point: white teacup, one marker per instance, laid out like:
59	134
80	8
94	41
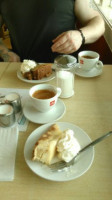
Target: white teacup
89	60
44	96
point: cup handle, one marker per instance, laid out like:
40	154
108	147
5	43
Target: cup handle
58	91
99	65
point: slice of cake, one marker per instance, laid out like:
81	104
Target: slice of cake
45	148
26	67
41	71
32	71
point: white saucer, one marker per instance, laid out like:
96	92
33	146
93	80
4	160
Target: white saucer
42	118
87	74
46	79
80	167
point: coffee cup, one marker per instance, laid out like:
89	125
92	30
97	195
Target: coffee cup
44	96
89	60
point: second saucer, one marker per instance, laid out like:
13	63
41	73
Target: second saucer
87	74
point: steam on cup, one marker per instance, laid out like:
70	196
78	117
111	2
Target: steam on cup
89	60
44	97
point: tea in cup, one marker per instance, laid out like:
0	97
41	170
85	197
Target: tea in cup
44	96
89	60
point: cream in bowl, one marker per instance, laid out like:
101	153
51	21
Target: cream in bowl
44	96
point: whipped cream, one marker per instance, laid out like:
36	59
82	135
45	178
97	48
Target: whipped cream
67	146
27	65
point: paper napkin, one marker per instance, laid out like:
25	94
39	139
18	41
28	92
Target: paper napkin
8	146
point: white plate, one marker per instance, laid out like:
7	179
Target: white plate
79	168
42	118
46	79
87	74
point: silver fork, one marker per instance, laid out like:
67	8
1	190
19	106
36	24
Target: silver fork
62	164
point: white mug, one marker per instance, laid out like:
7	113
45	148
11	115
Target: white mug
89	60
44	96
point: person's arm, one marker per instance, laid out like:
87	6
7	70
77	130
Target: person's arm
92	26
5	54
92	23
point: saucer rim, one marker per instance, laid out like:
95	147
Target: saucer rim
43	80
45	122
44	171
82	73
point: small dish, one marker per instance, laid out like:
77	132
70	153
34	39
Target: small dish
87	74
42	118
78	169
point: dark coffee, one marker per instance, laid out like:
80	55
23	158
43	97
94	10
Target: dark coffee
88	57
43	94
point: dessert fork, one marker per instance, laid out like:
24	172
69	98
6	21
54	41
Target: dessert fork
62	164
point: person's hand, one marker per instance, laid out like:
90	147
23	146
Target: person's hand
67	42
10	56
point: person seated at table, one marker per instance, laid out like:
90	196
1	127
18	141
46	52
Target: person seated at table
41	30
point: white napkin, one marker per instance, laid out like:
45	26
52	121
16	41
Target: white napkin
8	145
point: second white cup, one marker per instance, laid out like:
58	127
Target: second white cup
89	60
44	96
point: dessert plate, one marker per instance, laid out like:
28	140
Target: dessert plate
87	74
46	79
78	169
42	118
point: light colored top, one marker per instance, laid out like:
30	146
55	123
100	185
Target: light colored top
90	109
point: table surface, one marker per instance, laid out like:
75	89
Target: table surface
90	109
